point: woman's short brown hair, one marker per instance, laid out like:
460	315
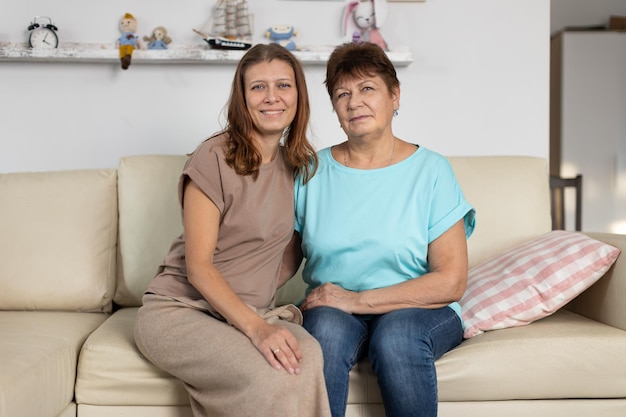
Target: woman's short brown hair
354	60
242	153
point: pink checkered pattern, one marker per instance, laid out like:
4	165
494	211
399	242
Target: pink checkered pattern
532	280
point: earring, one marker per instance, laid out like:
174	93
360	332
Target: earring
395	113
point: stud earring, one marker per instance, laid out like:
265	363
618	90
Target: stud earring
395	113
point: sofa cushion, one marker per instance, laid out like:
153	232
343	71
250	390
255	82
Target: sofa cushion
542	361
149	220
58	235
532	280
112	371
38	356
564	355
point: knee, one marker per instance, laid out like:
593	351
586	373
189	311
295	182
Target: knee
400	341
339	334
326	324
310	348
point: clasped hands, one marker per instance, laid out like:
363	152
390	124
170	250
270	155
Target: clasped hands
330	295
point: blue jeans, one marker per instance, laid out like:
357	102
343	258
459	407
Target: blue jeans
402	347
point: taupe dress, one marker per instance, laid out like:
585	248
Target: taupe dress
177	330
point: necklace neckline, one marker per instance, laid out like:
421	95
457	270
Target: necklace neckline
345	154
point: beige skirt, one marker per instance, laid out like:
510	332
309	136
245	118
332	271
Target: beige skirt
224	374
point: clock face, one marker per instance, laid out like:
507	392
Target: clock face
43	37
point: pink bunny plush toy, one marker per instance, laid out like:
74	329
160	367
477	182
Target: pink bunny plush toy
366	17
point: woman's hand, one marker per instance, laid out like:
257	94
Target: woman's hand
330	295
279	347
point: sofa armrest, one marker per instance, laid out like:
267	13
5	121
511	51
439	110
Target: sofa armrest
604	301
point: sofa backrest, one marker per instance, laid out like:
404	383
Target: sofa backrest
510	194
149	220
58	234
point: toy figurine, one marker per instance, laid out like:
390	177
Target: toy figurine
128	41
158	39
366	17
282	34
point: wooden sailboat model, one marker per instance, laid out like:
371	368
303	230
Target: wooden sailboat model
231	26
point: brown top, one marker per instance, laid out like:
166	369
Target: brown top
256	223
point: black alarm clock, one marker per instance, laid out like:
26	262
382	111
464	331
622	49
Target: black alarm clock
42	33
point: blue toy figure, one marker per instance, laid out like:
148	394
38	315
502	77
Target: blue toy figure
158	39
128	42
282	34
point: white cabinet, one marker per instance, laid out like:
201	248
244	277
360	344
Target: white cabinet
588	124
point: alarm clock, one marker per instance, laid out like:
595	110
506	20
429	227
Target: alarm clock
42	33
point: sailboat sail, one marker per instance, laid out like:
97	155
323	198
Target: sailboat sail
219	20
242	22
231	11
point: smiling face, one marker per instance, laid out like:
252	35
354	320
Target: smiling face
365	106
128	24
271	97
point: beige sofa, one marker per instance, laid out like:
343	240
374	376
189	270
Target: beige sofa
78	248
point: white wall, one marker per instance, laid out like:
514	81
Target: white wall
478	85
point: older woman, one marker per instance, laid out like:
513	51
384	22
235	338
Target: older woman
383	225
208	317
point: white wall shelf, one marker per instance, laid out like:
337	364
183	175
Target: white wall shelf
196	54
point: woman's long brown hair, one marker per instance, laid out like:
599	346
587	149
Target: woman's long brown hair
242	154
